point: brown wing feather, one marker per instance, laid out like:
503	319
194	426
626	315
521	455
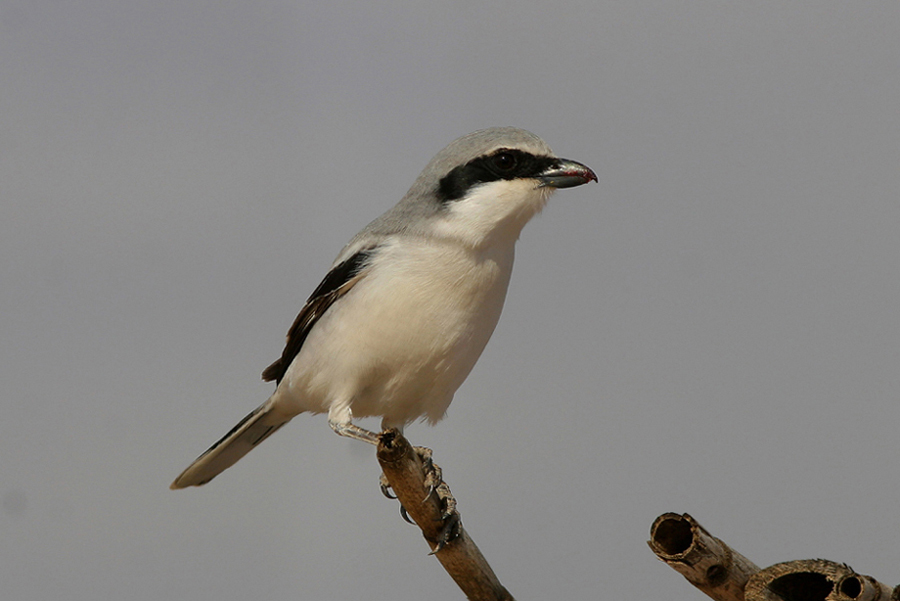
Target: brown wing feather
336	284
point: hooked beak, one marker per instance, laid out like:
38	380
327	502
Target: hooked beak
566	174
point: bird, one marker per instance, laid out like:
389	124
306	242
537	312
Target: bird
410	302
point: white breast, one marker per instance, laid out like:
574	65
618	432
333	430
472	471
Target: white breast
400	343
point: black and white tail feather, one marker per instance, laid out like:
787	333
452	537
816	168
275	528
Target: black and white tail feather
264	420
261	423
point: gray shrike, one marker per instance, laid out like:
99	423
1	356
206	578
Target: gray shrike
409	304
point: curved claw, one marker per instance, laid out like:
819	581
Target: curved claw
431	491
386	491
405	515
448	533
385	487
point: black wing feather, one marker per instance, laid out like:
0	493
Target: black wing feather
338	281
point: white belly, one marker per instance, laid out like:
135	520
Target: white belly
401	342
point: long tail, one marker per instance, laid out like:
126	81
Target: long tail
248	433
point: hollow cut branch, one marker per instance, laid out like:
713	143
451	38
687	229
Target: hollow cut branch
814	580
706	562
726	575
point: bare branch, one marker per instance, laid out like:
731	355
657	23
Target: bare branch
726	575
706	562
815	580
460	557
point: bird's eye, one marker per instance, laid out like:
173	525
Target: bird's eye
504	161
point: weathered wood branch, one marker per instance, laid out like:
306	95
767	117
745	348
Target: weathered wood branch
726	575
814	579
706	562
460	557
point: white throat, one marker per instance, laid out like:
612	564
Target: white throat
493	212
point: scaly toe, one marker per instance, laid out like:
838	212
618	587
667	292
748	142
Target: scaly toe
448	533
385	487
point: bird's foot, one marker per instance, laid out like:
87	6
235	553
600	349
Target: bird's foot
351	430
386	487
435	484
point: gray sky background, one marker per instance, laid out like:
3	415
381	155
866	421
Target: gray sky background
714	328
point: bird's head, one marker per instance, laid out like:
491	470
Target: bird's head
491	182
